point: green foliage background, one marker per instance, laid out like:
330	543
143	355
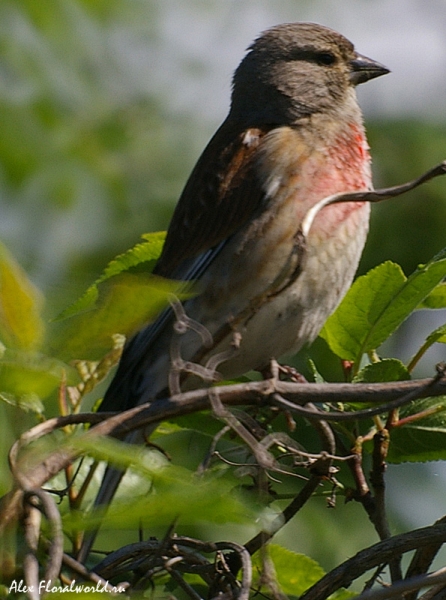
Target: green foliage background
89	161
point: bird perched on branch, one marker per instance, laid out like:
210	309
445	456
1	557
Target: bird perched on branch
293	136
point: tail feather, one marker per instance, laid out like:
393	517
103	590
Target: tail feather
110	483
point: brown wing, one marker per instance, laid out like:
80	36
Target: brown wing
220	196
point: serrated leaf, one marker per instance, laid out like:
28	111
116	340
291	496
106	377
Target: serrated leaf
295	573
21	325
421	440
347	328
377	304
143	254
436	299
387	369
125	303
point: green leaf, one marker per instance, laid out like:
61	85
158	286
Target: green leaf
125	303
349	327
387	369
436	299
437	336
317	377
26	376
21	325
153	488
140	459
295	573
377	304
143	254
423	439
28	403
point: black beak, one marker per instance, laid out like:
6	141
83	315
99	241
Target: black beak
363	69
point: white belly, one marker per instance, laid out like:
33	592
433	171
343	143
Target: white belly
294	318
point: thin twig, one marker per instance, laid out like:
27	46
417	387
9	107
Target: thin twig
246	567
380	449
379	454
176	576
204	465
78	568
373	196
408	585
264	458
286	515
32	534
30	561
55	550
170	552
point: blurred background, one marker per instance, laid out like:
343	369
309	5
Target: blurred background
105	105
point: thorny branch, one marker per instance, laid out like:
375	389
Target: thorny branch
254	394
172	555
244	394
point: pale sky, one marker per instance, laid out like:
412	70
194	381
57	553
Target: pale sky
199	44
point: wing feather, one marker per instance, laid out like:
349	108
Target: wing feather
220	196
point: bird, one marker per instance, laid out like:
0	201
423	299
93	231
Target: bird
294	135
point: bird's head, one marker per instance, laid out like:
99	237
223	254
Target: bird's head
295	70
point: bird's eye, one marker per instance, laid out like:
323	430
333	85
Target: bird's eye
325	58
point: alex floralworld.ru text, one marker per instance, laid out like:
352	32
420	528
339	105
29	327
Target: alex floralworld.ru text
47	587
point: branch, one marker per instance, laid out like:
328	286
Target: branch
153	556
373	196
285	516
422	560
257	393
410	585
414	394
380	553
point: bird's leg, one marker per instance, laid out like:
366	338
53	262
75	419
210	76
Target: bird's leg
274	370
292	374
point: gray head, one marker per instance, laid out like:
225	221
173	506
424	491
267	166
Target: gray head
297	69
